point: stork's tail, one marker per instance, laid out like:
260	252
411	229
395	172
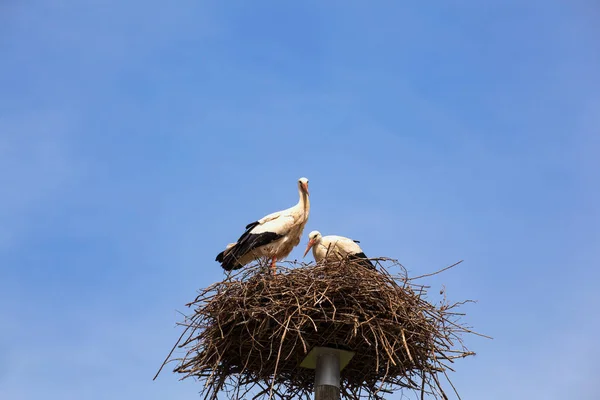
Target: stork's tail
362	260
227	258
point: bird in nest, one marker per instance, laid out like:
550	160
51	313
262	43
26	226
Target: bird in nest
333	247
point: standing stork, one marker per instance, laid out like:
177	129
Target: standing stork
273	236
334	247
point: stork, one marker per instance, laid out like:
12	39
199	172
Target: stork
334	247
273	236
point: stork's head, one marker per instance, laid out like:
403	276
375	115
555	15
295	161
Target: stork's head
313	238
303	185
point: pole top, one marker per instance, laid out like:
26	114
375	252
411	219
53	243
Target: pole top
310	361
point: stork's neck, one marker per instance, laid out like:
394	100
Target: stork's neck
304	202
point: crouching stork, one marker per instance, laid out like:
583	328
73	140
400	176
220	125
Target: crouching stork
334	247
273	236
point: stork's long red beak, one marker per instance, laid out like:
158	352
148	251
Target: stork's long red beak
305	187
310	244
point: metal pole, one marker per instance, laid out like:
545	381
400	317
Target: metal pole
327	376
327	363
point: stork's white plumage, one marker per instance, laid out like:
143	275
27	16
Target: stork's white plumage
333	247
273	236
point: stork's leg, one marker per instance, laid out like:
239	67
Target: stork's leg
273	267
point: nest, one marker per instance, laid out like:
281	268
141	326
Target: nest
249	333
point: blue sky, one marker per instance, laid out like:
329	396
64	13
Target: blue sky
138	138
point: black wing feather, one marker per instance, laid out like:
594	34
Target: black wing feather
252	225
362	260
246	243
249	227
